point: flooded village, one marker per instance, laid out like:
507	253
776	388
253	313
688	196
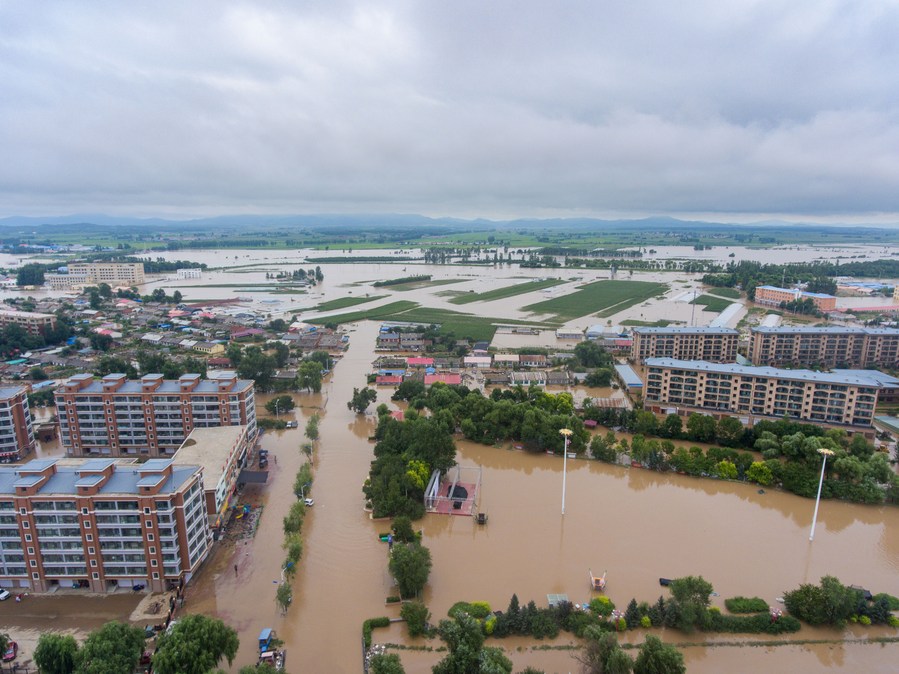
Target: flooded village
633	524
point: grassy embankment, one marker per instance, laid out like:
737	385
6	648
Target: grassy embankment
510	291
604	298
730	293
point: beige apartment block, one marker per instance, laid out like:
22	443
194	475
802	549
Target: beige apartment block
101	525
32	322
825	347
846	399
150	416
717	345
93	273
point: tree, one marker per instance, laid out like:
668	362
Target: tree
701	427
101	342
599	378
104	291
177	297
362	399
56	653
256	365
410	564
464	639
672	426
402	530
261	668
692	596
114	364
282	353
602	654
657	657
591	354
730	432
416	615
309	376
386	663
38	374
195	644
112	649
4	641
30	275
280	404
283	596
311	431
278	325
323	358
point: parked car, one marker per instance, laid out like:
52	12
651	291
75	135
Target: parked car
11	651
4	594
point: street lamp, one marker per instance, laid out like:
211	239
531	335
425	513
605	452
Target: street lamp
824	454
566	433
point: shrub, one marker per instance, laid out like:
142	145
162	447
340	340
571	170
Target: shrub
864	620
892	601
746	605
893	621
645	621
393	599
602	606
416	615
757	623
369	625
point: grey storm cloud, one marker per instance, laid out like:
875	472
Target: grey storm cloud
450	108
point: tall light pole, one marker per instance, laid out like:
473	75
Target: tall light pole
824	454
566	433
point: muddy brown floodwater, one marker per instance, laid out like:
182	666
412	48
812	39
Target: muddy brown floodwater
636	524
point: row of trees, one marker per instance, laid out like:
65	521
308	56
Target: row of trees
195	644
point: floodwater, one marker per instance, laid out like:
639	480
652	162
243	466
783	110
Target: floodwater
636	524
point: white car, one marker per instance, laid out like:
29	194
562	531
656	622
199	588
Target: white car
4	594
309	502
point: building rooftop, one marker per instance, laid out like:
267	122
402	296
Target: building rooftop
698	330
8	392
825	330
127	478
209	448
134	386
628	376
871	378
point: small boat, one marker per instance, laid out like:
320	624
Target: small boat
664	582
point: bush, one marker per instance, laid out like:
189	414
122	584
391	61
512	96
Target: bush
271	424
892	602
864	620
602	606
645	621
416	615
746	605
753	624
476	609
369	625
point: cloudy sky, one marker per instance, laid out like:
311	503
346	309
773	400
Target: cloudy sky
744	109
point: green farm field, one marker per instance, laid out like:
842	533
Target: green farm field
511	291
599	297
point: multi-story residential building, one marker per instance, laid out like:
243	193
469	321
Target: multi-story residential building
93	273
101	525
16	427
774	296
716	388
716	345
827	347
32	322
222	453
115	416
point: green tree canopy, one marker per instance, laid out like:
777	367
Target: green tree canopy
112	649
410	564
56	653
361	399
194	645
657	657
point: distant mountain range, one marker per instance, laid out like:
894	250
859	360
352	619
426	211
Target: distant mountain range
400	220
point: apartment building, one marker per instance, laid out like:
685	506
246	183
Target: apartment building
774	296
16	426
32	322
847	399
101	525
93	273
222	453
150	416
716	345
828	347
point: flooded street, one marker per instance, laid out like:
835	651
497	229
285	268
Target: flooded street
638	525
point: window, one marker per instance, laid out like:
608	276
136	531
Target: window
152	550
95	575
26	525
22	511
35	575
151	537
33	563
30	551
87	524
146	511
94	563
89	537
153	562
148	524
28	538
156	575
84	511
91	551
